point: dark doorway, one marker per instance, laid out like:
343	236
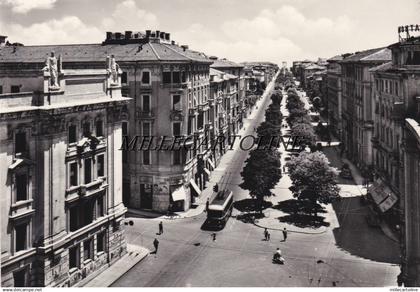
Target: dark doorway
146	193
126	193
20	278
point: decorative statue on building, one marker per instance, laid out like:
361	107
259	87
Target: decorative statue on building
112	69
53	66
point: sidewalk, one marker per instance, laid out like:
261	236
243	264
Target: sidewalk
134	255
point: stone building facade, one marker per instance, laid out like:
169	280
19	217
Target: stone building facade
397	146
357	102
61	178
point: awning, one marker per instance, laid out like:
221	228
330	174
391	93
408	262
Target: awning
195	187
210	161
179	194
382	195
20	162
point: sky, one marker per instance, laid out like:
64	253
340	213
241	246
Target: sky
240	30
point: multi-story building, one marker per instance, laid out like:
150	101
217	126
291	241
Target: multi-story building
61	177
357	103
397	140
235	91
333	95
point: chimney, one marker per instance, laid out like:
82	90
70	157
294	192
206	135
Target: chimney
2	40
167	36
108	35
148	33
128	34
162	35
213	58
184	47
173	43
157	33
117	35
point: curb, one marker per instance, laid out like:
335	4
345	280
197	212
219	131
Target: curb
291	231
145	256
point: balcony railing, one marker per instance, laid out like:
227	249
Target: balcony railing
140	114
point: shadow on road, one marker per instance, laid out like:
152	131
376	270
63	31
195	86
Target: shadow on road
250	205
208	226
249	217
304	221
356	237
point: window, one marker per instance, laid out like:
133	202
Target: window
101	165
72	134
100	242
21	187
166	78
100	208
146	157
21	237
20	142
15	89
99	128
86	129
146	129
124	78
176	102
74	181
1	89
176	157
145	77
176	77
87	249
88	170
74	218
146	103
74	257
125	133
183	77
176	129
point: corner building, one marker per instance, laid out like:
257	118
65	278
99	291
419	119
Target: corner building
60	178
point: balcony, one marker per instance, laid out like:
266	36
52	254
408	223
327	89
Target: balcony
176	115
144	115
192	111
203	107
176	86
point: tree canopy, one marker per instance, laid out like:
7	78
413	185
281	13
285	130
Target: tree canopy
313	178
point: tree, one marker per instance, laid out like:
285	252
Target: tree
304	133
266	131
313	178
261	173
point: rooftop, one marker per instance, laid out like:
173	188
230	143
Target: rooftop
143	51
372	55
224	63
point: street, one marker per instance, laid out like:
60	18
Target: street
344	251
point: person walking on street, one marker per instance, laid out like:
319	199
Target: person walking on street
266	234
284	234
160	227
156	245
207	204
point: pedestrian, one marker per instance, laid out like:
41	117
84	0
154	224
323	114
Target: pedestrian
284	169
156	245
160	227
266	234
214	236
207	204
284	234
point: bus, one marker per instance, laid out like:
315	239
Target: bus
220	208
